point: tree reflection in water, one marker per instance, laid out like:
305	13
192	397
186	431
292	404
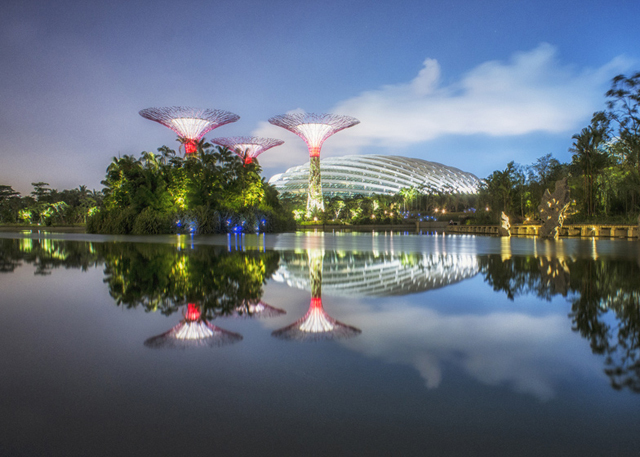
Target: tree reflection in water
316	323
158	277
604	296
209	281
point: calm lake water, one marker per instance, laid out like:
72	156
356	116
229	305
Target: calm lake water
319	344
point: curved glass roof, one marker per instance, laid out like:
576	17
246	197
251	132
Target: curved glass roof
377	174
369	274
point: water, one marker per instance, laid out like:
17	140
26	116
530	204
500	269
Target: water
318	344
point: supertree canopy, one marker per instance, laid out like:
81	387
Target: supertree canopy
191	124
314	129
247	147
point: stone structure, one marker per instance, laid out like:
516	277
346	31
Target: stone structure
552	209
504	225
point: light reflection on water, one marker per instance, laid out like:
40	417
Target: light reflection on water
534	329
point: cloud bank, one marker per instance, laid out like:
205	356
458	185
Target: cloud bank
531	92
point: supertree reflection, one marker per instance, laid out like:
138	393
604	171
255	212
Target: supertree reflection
257	309
193	331
316	323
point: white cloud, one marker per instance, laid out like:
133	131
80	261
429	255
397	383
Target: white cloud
531	92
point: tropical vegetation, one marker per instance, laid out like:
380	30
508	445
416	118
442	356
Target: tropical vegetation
46	206
212	191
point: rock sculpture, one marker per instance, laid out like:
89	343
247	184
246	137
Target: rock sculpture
552	209
504	225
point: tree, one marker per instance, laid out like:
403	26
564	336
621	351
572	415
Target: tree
9	204
623	113
500	186
41	192
590	157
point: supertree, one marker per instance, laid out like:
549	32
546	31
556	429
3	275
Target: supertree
247	147
191	124
256	308
193	331
314	129
316	323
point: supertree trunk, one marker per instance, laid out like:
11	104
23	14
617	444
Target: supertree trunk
314	200
316	259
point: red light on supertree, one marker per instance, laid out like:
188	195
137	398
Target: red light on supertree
314	129
190	147
247	147
191	124
193	312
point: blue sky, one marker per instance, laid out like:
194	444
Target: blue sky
464	83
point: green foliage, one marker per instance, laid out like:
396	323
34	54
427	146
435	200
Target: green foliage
150	222
211	192
47	206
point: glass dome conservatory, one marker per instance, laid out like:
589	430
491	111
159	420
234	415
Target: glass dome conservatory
377	174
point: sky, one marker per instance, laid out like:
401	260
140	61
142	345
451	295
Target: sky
469	84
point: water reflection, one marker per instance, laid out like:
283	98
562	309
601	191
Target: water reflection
161	278
497	347
316	323
256	309
377	274
604	296
46	255
193	331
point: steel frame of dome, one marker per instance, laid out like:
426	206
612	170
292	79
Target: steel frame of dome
378	174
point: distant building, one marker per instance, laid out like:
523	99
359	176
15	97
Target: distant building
377	174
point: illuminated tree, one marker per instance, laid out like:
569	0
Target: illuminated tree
314	129
316	324
247	147
191	124
193	331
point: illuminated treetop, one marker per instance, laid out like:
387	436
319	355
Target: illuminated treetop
314	129
247	147
189	123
